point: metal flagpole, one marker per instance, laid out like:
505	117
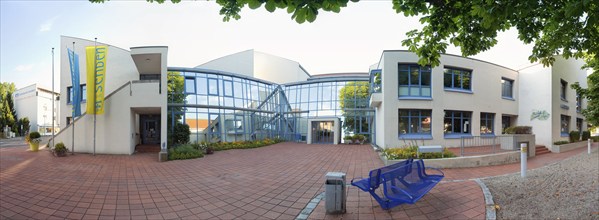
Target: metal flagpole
73	112
94	86
53	100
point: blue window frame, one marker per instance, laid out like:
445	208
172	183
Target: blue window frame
457	123
190	85
459	79
414	80
414	122
487	123
563	89
82	88
578	103
212	86
565	125
507	88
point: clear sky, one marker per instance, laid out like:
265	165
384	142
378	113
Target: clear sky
194	32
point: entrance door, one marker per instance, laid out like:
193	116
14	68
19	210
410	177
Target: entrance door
150	129
322	132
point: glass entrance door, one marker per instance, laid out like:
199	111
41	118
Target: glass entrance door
150	129
322	132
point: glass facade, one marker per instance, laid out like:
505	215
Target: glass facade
229	107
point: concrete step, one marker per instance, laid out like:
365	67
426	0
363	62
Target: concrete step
539	150
147	148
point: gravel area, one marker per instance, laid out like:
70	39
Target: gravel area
566	190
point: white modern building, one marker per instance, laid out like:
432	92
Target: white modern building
252	95
464	97
35	103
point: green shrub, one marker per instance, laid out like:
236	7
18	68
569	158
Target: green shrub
33	137
182	152
412	151
574	136
180	135
595	138
518	130
60	149
560	142
586	135
243	144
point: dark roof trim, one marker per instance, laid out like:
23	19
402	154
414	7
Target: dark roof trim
446	54
329	79
210	71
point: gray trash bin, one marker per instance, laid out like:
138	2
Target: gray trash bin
335	193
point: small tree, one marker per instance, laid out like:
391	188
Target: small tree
180	134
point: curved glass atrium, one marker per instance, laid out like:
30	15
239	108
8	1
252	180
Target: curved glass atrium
227	107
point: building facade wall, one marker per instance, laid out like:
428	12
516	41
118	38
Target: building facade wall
485	96
570	72
36	104
536	96
124	99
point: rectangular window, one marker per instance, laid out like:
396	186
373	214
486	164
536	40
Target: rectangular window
190	85
212	86
414	121
506	122
414	80
457	122
486	123
201	85
578	103
563	89
228	88
82	89
565	125
507	87
579	125
457	79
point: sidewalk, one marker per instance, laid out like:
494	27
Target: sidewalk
458	196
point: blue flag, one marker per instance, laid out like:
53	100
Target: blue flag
76	101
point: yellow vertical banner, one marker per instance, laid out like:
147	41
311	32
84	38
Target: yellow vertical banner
96	76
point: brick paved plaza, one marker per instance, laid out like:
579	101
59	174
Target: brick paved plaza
273	182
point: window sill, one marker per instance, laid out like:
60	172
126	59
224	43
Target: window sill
508	98
563	99
458	90
487	135
415	98
457	136
415	137
564	135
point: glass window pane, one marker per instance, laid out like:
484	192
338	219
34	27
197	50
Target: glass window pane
190	85
426	78
228	88
238	90
403	78
414	75
213	86
201	86
447	79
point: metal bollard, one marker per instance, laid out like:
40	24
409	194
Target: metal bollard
589	146
523	155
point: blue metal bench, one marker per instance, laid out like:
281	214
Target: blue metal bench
403	182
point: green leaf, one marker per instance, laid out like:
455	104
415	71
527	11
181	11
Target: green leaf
254	4
270	6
